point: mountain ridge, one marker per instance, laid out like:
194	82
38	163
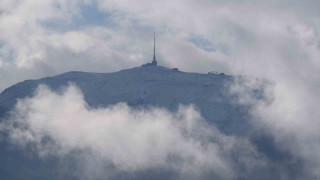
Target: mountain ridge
139	86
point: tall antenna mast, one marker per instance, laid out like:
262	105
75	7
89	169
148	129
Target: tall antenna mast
154	61
154	46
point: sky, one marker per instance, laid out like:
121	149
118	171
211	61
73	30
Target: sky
45	38
276	40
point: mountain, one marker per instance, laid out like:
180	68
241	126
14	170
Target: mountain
140	87
147	86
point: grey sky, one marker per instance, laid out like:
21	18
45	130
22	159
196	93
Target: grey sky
42	38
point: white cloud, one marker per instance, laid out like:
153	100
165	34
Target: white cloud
58	124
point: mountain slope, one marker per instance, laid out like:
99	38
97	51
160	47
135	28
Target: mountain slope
147	86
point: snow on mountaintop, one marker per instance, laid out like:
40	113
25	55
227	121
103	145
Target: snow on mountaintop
147	86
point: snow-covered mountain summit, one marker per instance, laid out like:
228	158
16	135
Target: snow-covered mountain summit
146	86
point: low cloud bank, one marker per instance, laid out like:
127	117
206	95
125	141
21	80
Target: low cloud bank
288	113
129	140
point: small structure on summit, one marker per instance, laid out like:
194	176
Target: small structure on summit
154	61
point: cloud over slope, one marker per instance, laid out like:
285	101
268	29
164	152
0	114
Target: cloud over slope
58	124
